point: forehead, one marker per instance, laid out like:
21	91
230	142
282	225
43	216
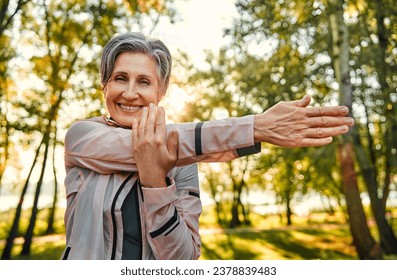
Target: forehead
134	63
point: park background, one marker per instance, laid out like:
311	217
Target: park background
231	58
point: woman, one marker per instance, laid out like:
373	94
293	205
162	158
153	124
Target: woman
110	213
114	212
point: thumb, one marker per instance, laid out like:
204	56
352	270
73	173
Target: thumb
302	102
173	144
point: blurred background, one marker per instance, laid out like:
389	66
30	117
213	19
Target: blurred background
231	58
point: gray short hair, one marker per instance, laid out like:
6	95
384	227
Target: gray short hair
137	43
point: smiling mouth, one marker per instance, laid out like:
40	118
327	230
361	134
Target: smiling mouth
129	108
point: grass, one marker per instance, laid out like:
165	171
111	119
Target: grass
323	237
48	247
314	242
298	243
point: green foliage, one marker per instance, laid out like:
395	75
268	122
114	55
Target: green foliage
243	79
280	51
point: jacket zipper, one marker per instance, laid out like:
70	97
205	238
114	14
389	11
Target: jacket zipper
114	243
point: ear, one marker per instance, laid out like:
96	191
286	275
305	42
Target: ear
104	91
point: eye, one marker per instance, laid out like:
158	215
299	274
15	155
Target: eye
120	78
145	82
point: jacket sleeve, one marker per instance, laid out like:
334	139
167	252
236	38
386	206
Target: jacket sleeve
108	149
172	216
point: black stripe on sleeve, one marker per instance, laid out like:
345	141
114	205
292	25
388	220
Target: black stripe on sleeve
254	149
194	194
197	139
166	226
177	224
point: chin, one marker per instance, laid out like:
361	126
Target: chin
125	119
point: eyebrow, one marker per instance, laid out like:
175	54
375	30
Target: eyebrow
126	73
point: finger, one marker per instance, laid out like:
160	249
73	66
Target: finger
327	121
160	123
142	122
325	132
173	145
304	102
151	120
134	133
312	142
327	111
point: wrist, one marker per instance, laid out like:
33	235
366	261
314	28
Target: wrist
156	183
258	137
262	129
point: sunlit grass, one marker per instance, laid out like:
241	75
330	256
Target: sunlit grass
7	218
322	237
298	243
45	248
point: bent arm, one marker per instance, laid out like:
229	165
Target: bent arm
106	149
172	216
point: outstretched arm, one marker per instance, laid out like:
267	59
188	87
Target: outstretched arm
294	124
95	145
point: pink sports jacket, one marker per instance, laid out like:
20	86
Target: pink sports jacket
100	172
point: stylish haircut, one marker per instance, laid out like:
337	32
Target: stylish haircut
137	43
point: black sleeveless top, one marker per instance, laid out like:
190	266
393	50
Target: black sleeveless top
132	238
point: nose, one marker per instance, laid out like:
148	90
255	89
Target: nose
130	92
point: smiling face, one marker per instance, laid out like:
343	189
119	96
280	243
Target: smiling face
133	85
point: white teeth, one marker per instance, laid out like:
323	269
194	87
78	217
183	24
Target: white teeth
130	108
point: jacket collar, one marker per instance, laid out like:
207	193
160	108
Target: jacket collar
110	121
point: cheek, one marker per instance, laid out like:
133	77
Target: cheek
109	93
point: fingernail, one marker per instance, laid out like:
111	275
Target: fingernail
349	121
344	110
151	105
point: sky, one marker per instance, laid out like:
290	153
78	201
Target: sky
200	28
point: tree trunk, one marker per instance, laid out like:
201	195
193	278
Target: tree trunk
245	211
362	238
235	220
237	189
6	255
51	214
29	233
218	209
4	145
388	239
369	171
288	209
